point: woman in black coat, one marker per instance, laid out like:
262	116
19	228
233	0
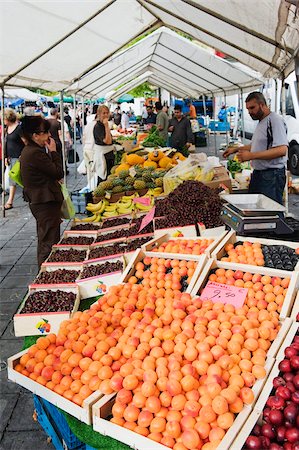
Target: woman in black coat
41	170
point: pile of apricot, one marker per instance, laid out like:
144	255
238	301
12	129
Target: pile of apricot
182	368
184	246
264	291
244	253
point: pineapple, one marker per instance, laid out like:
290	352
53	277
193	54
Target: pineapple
106	185
123	174
117	182
117	189
159	182
99	191
139	184
129	181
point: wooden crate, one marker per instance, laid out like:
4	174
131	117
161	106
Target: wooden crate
283	331
157	241
291	291
254	417
83	413
102	410
97	285
295	310
43	323
186	231
287	340
139	254
232	238
51	267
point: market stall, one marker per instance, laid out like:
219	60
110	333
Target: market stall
155	360
172	333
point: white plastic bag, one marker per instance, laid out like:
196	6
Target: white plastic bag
6	178
195	167
82	168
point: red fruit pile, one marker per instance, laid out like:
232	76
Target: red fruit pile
280	426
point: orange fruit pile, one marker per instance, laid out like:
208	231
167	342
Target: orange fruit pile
182	368
184	246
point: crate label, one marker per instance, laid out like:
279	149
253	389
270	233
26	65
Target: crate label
147	219
223	293
43	326
142	200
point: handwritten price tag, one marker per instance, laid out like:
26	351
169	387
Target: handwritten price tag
142	200
223	293
147	218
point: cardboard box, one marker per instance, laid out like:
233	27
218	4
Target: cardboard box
43	323
95	226
102	410
82	413
99	284
291	291
232	238
52	267
140	254
221	177
57	247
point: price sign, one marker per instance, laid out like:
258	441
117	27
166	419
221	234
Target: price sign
142	200
223	293
132	172
147	218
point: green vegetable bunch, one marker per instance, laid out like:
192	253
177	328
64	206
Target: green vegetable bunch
153	139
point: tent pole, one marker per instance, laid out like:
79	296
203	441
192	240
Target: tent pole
227	140
206	121
214	113
62	133
2	145
242	117
75	128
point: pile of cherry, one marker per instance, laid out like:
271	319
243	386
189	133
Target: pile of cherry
280	424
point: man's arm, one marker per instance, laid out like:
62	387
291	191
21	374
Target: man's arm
275	152
108	138
232	150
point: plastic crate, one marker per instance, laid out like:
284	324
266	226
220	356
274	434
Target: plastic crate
219	126
56	426
80	201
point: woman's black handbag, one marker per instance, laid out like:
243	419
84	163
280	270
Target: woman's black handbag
71	156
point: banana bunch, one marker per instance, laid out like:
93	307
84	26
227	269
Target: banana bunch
155	192
204	177
97	208
111	210
145	208
125	205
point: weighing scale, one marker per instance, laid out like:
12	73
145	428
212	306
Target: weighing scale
254	213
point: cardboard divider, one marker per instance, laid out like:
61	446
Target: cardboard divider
83	413
232	238
139	255
43	323
157	241
291	290
102	411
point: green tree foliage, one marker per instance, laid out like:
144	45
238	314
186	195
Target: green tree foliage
143	90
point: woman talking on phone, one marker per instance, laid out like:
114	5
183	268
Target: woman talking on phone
41	170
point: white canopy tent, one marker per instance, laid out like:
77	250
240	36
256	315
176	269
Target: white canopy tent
176	57
64	37
65	42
